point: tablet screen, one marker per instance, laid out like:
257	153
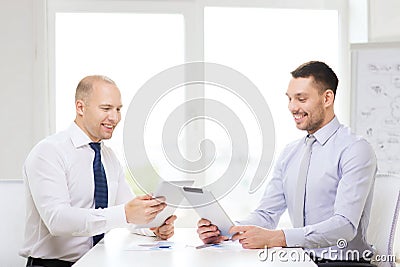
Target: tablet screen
205	204
173	197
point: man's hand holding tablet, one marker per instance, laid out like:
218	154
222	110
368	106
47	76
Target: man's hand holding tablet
249	236
169	195
215	223
252	237
166	230
209	233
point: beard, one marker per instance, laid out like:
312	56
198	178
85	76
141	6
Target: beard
315	120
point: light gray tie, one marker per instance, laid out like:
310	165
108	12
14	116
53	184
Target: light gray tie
298	218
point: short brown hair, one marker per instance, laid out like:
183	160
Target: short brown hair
323	75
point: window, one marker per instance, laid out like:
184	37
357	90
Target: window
129	48
266	44
131	41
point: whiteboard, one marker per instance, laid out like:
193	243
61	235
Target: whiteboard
376	100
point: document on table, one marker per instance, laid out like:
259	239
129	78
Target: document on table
156	245
226	245
168	245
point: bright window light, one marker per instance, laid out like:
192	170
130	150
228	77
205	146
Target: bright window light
127	47
266	45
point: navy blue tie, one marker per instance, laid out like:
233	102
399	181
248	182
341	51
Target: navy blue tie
100	184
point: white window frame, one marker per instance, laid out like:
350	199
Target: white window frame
193	12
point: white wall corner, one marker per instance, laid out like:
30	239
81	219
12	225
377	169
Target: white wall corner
384	21
358	21
41	97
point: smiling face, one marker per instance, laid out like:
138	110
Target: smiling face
311	108
99	112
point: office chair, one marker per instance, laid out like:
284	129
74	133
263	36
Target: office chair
384	216
383	221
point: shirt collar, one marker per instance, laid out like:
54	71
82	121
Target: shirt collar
323	134
78	137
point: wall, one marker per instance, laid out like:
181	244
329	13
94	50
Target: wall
384	20
16	53
20	118
12	227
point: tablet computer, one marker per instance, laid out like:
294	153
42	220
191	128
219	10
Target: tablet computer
172	192
205	204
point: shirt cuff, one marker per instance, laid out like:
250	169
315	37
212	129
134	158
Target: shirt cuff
116	217
294	237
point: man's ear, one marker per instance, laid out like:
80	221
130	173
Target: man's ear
80	107
329	97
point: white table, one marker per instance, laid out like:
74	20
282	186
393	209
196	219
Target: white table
120	248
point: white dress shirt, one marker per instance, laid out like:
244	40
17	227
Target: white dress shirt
61	218
338	191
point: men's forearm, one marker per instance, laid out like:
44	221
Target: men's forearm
84	222
323	234
255	218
